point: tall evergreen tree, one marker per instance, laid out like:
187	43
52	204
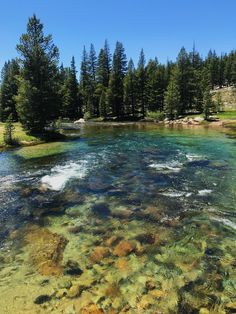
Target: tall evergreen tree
172	96
103	106
70	106
207	103
212	62
85	83
130	90
9	90
93	99
155	86
116	87
37	99
194	84
104	66
102	79
183	78
141	83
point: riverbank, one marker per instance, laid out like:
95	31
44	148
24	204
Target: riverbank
225	121
21	137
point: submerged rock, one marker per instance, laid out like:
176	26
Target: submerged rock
46	250
124	248
113	240
101	209
97	184
75	291
92	309
27	192
99	253
146	238
42	299
72	268
122	214
75	229
122	265
64	284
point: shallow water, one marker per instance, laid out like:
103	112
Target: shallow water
121	220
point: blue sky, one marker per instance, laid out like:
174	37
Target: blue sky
160	27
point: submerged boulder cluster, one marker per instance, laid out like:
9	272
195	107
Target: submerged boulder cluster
98	259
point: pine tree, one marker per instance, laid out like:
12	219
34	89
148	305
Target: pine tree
218	102
130	90
116	87
37	99
93	99
207	103
102	79
141	84
183	80
172	97
85	83
221	71
212	63
9	90
8	131
195	72
70	106
103	110
104	66
153	86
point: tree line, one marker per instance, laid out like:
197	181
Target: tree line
35	90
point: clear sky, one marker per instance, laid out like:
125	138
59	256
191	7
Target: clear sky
160	27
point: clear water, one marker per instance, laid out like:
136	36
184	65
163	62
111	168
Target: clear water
147	214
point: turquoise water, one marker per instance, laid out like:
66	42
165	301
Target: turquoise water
146	217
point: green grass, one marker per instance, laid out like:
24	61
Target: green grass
224	115
19	135
42	150
227	115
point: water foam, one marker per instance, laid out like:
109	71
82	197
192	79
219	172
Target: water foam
60	175
173	166
193	157
204	192
176	194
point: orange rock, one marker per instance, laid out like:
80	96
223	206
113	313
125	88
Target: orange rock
113	291
122	264
92	309
124	248
146	301
46	250
153	212
157	293
99	253
111	241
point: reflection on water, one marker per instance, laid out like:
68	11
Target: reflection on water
124	220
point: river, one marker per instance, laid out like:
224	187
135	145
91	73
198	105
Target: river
126	219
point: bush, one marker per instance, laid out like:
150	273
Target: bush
156	115
8	132
87	115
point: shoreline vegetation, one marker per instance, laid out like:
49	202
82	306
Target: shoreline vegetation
225	120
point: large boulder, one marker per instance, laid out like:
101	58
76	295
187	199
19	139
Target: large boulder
46	250
81	120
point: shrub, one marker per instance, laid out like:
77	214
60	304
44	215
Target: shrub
157	115
8	132
87	115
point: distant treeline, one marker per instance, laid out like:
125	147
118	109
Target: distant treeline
36	90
